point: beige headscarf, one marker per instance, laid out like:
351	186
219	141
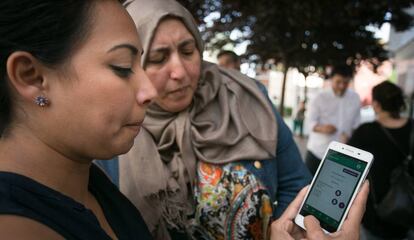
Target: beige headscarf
229	120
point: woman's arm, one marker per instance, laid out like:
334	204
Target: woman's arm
293	174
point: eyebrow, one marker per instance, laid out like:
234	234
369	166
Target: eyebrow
186	42
132	48
180	45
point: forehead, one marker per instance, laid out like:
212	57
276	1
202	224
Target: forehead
224	59
224	56
171	28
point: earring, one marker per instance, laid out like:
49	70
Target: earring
42	101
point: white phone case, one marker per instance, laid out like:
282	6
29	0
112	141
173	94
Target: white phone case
349	151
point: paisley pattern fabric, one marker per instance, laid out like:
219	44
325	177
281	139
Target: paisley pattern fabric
231	204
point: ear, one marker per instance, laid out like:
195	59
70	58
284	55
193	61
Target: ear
376	106
25	74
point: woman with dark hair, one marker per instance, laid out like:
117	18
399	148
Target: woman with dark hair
71	90
388	103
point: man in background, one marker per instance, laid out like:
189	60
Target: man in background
228	59
332	116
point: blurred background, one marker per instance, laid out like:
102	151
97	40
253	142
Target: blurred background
290	46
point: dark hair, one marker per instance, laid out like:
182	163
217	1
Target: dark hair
343	70
47	29
233	56
390	97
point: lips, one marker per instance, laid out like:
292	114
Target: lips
181	89
178	93
135	126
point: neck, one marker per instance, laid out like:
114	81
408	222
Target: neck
385	119
339	93
24	154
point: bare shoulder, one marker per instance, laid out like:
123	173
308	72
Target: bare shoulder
17	227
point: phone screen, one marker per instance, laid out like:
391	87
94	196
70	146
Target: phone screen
333	189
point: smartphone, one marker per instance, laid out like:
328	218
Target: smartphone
336	183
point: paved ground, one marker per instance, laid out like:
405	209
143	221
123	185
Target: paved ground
300	141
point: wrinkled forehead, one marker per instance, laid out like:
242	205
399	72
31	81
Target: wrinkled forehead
170	25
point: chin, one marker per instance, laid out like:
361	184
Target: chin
121	148
178	106
125	148
176	109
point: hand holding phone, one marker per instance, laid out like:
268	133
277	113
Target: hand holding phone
334	186
284	227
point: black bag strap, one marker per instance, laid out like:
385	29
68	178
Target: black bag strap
409	155
411	146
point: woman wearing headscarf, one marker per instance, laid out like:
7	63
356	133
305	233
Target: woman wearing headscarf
214	159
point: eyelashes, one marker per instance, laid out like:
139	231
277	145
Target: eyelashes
188	51
123	72
161	56
156	60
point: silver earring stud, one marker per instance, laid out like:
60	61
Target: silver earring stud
42	101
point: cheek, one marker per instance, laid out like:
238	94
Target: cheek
101	109
105	99
158	79
194	72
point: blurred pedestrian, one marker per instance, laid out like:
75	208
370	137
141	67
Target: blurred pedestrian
299	118
388	102
228	59
71	90
214	160
333	114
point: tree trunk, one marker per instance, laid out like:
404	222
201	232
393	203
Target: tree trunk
411	106
305	89
282	95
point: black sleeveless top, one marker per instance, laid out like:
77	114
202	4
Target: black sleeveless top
25	197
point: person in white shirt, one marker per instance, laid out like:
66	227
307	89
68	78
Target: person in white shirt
332	116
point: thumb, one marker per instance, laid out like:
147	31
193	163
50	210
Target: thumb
313	228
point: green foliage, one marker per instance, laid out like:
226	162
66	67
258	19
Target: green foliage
302	33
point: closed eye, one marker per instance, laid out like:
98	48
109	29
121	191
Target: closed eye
156	60
188	51
187	47
158	56
122	72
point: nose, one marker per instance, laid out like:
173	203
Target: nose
177	71
146	92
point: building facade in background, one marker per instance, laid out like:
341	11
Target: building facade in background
401	47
